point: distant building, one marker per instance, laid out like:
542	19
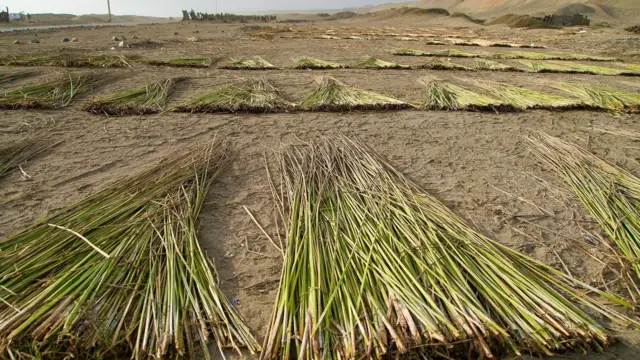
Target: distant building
4	15
17	16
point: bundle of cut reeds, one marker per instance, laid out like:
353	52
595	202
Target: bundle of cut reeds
311	63
42	60
439	64
13	76
255	96
634	69
101	61
610	194
51	95
442	95
489	65
326	37
411	52
15	154
121	274
150	99
454	53
255	63
581	57
183	62
541	56
375	267
405	38
333	95
569	67
525	55
602	98
523	98
371	62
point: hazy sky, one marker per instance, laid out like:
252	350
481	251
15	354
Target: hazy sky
172	7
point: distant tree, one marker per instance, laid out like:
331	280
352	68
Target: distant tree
225	18
29	17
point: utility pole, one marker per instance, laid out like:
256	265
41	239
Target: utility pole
109	5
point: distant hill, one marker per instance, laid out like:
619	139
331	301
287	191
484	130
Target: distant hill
598	10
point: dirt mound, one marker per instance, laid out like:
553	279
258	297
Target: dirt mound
468	17
406	11
342	15
420	11
520	21
634	29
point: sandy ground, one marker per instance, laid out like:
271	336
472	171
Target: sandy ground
474	162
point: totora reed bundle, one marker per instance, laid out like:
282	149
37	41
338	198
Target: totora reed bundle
442	95
254	96
569	67
439	64
454	53
610	194
602	98
522	98
121	274
150	99
442	53
411	52
525	55
371	62
633	69
255	63
376	267
333	95
51	95
541	56
70	60
6	78
489	65
15	154
311	63
183	62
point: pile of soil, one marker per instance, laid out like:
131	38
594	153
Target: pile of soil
420	11
342	15
468	17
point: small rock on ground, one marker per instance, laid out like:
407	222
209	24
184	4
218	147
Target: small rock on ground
74	39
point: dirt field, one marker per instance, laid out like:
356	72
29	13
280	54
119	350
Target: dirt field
474	162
